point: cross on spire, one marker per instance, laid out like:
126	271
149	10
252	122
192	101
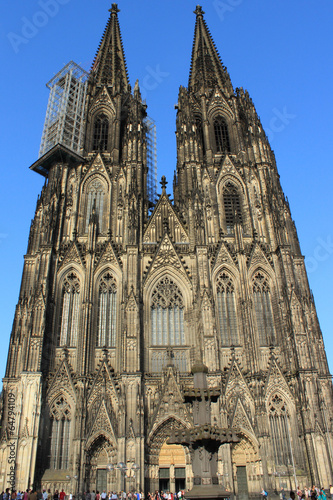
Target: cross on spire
114	9
198	10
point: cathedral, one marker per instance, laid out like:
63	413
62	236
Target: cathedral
123	297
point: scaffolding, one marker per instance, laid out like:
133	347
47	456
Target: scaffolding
65	115
151	160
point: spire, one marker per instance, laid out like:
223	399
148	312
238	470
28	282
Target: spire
207	70
109	66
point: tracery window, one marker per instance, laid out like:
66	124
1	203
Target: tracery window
263	310
232	206
279	425
60	434
167	314
101	131
222	141
160	359
95	198
226	307
107	311
70	308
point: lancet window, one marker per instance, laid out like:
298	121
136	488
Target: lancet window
222	141
279	426
101	132
263	310
232	206
167	314
198	124
95	199
70	308
60	434
226	307
107	311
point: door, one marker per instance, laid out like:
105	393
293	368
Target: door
179	478
243	490
101	480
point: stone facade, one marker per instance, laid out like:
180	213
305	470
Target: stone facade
118	303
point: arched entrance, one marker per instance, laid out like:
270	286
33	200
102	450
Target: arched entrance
172	468
100	454
246	468
168	466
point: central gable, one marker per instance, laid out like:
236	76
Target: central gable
164	216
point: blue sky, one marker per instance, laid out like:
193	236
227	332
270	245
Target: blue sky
281	53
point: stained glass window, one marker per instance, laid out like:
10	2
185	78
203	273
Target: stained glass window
226	306
70	309
167	314
107	311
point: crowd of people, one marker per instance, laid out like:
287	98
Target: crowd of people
93	495
313	493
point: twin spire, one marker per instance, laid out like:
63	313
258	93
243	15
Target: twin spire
206	72
109	66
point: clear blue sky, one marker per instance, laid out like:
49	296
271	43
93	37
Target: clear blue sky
280	51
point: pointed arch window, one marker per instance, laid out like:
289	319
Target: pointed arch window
107	311
280	430
60	434
232	206
95	198
167	314
101	132
221	133
226	307
263	310
200	133
70	308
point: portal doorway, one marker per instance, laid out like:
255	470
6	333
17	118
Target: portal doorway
172	468
101	480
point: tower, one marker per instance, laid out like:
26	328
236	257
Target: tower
118	305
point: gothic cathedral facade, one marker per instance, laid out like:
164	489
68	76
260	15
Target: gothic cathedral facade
120	299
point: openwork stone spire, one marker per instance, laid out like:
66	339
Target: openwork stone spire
109	66
207	70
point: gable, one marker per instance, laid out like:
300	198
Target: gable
165	256
257	258
96	166
72	255
171	404
107	256
165	215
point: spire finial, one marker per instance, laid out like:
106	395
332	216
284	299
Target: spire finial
114	9
198	11
163	182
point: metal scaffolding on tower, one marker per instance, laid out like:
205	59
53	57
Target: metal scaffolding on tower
151	160
65	114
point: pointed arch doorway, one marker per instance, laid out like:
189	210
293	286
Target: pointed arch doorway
172	468
101	453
